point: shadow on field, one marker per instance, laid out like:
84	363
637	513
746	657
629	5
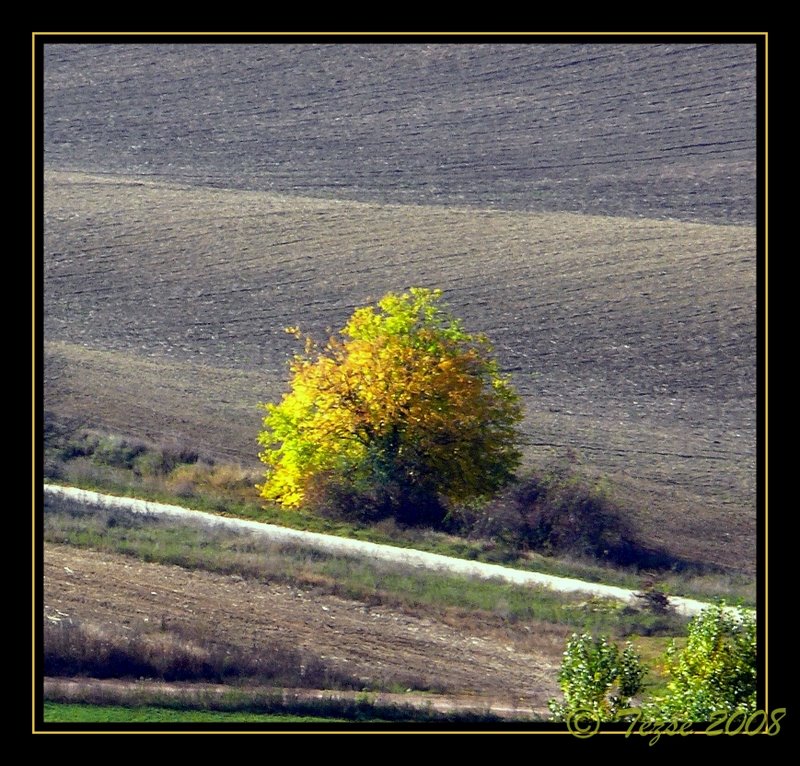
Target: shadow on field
560	513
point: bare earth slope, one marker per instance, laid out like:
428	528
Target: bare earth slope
590	207
651	130
632	341
376	643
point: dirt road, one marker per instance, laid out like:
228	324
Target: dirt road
370	550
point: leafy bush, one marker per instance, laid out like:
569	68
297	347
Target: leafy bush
715	672
564	513
117	452
598	678
402	411
160	461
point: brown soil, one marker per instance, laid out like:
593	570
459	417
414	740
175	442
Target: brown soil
513	665
635	129
632	343
589	207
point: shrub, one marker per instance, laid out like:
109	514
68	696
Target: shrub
598	678
556	513
654	600
152	463
116	452
185	479
715	672
160	461
227	477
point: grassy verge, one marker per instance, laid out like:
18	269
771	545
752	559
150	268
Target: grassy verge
651	650
62	712
92	702
240	553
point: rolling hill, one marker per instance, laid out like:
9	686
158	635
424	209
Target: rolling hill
653	130
591	208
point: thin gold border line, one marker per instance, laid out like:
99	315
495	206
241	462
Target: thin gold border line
33	378
407	33
766	374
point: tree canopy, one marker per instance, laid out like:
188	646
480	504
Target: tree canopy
402	403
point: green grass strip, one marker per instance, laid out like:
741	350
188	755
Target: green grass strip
61	712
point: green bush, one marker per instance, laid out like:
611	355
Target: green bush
81	444
715	672
116	452
597	678
160	461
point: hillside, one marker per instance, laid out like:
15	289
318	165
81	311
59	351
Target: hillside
376	643
589	207
661	131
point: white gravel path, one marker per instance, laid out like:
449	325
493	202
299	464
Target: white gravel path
331	543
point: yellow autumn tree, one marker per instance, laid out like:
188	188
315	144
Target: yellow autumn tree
403	410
